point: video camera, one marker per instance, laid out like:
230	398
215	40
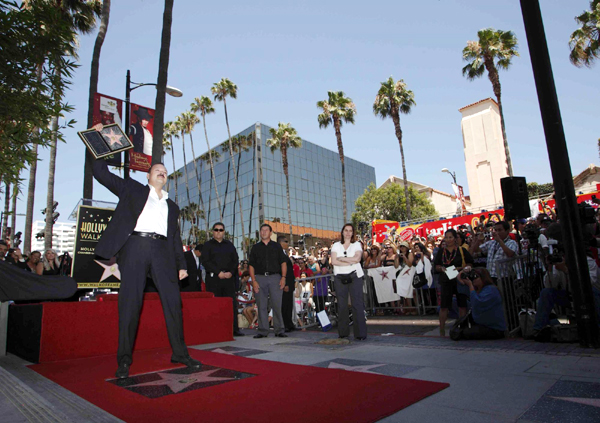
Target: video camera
532	233
587	214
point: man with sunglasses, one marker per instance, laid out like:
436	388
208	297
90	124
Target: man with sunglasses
220	260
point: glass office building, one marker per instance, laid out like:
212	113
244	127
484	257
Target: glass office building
315	188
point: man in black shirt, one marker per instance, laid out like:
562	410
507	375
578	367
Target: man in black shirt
220	260
287	302
268	270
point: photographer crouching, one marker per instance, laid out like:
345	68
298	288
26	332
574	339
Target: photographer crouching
486	320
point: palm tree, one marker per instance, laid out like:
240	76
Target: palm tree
204	105
492	51
189	120
338	109
284	137
88	178
211	156
221	90
181	128
81	16
6	209
169	133
161	83
240	143
392	99
585	41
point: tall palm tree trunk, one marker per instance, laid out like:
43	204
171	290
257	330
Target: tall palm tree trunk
252	195
175	178
187	185
284	160
31	186
13	223
338	135
237	189
6	210
495	80
226	188
50	194
198	178
88	177
30	201
396	119
212	168
161	83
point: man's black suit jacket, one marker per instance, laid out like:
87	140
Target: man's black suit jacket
132	199
290	280
192	282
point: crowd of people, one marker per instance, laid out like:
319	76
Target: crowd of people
49	263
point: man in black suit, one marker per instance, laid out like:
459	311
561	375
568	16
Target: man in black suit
220	259
287	301
144	235
193	261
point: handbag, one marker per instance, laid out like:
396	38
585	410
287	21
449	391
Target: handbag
460	325
419	280
347	277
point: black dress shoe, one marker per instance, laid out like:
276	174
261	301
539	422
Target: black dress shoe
238	333
260	336
343	337
188	361
281	335
122	371
290	329
360	338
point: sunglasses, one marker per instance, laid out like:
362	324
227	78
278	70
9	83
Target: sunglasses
218	230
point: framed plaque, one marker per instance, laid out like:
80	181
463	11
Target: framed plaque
110	140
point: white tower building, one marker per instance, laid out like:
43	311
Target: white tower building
63	237
485	158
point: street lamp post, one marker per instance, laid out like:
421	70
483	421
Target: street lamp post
453	174
172	91
459	208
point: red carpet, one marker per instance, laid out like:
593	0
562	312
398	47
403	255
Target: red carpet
267	391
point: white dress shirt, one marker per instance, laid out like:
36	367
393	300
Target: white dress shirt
147	142
154	216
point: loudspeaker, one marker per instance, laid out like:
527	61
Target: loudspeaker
515	197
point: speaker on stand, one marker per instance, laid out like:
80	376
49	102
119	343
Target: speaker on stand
515	197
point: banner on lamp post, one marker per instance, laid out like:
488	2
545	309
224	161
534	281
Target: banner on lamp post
108	110
140	133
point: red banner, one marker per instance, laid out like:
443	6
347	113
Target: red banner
140	133
384	229
108	110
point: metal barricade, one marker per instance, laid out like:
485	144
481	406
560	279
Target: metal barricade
321	296
520	284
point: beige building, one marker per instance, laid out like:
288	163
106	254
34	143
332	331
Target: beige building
587	180
444	203
485	159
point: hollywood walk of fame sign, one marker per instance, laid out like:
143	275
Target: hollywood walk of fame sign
175	381
108	141
88	270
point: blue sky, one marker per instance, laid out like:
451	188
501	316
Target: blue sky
285	56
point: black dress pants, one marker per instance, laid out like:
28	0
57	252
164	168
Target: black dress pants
224	288
138	257
287	308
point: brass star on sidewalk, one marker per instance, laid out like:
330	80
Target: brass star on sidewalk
178	382
110	269
366	368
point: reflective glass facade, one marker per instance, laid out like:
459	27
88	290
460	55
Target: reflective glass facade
315	186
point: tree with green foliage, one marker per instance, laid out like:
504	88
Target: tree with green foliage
388	203
189	121
392	99
585	41
336	110
181	127
283	138
534	189
493	50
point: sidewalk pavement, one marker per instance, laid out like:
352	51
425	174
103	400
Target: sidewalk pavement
508	380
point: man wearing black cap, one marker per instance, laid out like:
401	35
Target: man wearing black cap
139	134
144	235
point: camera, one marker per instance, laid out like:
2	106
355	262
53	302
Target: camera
532	233
418	256
472	275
